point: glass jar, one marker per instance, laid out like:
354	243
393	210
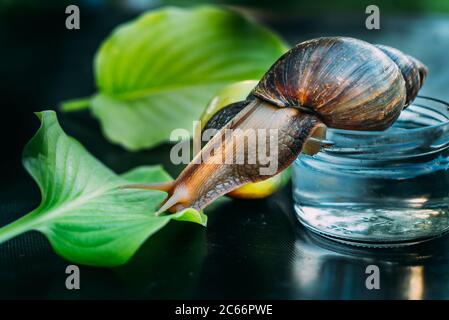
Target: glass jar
379	189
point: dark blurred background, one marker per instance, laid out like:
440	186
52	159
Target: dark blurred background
256	248
42	63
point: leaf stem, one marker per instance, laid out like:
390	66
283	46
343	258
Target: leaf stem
75	104
15	228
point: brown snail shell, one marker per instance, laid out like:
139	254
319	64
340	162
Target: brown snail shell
336	82
413	71
349	83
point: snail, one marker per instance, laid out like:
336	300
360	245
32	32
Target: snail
232	93
335	82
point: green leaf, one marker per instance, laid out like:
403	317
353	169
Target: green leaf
157	73
144	174
86	215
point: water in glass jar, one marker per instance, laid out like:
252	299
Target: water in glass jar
374	201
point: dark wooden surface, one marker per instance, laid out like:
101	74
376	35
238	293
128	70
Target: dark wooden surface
251	249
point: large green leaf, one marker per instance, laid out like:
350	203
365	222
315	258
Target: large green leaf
86	215
158	72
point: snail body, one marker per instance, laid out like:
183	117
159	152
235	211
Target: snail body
333	82
232	95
